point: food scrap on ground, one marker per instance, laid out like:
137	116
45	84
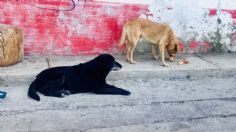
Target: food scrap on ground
184	61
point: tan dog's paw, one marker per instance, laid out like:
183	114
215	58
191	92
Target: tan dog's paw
155	57
171	59
166	65
132	62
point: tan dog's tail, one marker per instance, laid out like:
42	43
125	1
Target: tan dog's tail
123	36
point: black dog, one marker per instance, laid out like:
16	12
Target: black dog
85	77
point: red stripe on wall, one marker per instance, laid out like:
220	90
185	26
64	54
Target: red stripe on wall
213	12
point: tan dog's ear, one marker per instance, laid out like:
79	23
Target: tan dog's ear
177	48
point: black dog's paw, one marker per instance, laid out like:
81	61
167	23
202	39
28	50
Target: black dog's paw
62	95
126	93
66	92
113	90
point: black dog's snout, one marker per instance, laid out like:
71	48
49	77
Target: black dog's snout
117	66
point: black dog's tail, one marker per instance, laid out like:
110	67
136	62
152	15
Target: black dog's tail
32	92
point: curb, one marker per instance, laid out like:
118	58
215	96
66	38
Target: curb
126	75
200	67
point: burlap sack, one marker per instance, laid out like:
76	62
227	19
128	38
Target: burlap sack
11	45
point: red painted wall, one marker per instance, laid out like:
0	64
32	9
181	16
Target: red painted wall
71	27
68	27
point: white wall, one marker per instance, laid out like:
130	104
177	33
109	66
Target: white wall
192	22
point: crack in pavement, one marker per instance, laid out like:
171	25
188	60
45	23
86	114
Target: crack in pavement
211	62
233	99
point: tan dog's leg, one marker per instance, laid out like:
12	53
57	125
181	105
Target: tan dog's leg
132	47
154	54
162	50
133	40
128	52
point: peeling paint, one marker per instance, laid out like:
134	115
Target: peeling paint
193	23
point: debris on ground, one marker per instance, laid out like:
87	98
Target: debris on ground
184	61
2	94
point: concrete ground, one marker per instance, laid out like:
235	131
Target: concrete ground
199	96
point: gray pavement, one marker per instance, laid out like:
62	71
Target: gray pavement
199	96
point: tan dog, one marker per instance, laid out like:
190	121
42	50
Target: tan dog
157	34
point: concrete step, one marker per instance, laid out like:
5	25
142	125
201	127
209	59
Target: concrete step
203	65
